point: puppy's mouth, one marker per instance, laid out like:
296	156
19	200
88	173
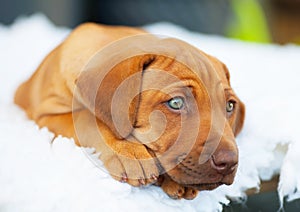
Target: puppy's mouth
204	186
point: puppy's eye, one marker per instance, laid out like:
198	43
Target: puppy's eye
230	106
176	103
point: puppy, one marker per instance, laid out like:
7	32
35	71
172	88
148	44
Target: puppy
159	111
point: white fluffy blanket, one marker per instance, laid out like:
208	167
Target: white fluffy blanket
36	175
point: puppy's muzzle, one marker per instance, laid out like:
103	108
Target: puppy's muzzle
219	168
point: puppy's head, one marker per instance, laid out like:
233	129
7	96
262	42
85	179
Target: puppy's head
180	106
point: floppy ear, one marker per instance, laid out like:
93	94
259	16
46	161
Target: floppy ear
238	122
239	118
112	94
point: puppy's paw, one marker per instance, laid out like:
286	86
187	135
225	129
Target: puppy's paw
131	163
177	191
173	189
190	193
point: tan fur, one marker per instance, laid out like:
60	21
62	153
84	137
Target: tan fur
49	98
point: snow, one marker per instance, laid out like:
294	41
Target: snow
38	174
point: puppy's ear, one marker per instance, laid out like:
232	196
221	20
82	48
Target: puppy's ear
112	94
239	119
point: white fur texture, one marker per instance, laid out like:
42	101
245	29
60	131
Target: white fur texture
36	175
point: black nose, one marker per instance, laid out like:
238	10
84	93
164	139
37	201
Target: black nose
224	161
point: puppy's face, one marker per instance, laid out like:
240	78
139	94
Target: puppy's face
185	113
189	122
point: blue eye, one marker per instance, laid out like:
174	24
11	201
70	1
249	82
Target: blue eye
176	103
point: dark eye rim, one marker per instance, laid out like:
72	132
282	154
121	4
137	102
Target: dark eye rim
234	105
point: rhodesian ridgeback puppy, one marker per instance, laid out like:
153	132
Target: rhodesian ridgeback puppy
158	111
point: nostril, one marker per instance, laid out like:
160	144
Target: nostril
224	162
218	166
222	166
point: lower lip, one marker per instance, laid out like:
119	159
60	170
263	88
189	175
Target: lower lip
207	186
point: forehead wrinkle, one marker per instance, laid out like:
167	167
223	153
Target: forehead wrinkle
201	72
207	75
228	89
177	87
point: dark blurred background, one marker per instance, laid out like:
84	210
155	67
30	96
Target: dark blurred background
255	20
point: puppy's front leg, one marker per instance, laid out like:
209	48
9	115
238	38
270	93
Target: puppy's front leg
126	161
130	163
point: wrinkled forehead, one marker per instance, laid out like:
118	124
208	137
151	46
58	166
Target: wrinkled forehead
187	62
177	61
193	59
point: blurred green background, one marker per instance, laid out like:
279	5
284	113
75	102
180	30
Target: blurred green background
252	20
